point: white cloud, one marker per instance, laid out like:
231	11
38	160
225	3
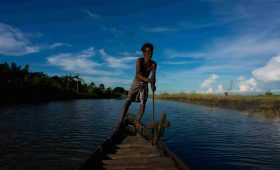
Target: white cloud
209	81
275	90
182	26
117	62
14	42
220	89
92	15
248	85
210	85
209	90
58	45
79	62
138	52
127	54
269	72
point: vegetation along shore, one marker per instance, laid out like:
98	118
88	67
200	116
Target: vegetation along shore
268	104
19	85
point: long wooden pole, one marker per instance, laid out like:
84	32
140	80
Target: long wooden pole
153	111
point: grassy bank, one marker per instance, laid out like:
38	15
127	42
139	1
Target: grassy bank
269	106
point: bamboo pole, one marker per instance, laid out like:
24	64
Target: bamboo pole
153	111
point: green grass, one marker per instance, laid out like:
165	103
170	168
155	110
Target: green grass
269	106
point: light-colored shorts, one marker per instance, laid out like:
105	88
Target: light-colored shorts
138	92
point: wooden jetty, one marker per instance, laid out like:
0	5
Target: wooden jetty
132	148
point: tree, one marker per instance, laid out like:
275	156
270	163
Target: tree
92	84
268	93
14	67
101	87
79	81
26	68
119	90
4	67
67	79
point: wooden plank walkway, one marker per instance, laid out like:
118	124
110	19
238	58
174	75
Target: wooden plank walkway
135	152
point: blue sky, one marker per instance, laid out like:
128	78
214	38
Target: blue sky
200	45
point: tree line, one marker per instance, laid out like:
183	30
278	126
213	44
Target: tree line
18	82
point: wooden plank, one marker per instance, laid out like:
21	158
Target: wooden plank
136	142
136	149
155	164
131	145
141	159
141	152
122	151
155	160
150	168
133	155
122	168
138	166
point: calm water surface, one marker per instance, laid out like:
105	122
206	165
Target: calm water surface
61	135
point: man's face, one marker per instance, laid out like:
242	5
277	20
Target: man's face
148	53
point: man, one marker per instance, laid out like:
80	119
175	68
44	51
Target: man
139	88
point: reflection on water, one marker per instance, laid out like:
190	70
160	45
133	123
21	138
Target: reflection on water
61	135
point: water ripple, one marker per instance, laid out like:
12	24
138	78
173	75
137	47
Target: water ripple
61	135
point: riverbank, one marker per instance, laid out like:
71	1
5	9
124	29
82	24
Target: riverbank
269	106
19	85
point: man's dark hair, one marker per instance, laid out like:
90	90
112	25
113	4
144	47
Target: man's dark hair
149	45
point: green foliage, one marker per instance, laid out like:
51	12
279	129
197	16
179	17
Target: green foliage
13	76
4	67
101	86
268	93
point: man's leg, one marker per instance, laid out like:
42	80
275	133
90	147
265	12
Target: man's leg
123	114
124	110
140	113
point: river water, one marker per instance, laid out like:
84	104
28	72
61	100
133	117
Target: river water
63	134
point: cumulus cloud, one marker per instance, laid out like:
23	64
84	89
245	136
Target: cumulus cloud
269	72
208	84
220	89
14	42
209	81
79	62
117	62
247	85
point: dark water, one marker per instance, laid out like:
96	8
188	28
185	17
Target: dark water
61	135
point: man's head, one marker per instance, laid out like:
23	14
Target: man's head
147	50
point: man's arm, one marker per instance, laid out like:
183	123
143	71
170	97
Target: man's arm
153	76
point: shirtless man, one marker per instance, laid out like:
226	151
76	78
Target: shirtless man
139	88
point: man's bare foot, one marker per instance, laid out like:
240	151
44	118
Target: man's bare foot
140	125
